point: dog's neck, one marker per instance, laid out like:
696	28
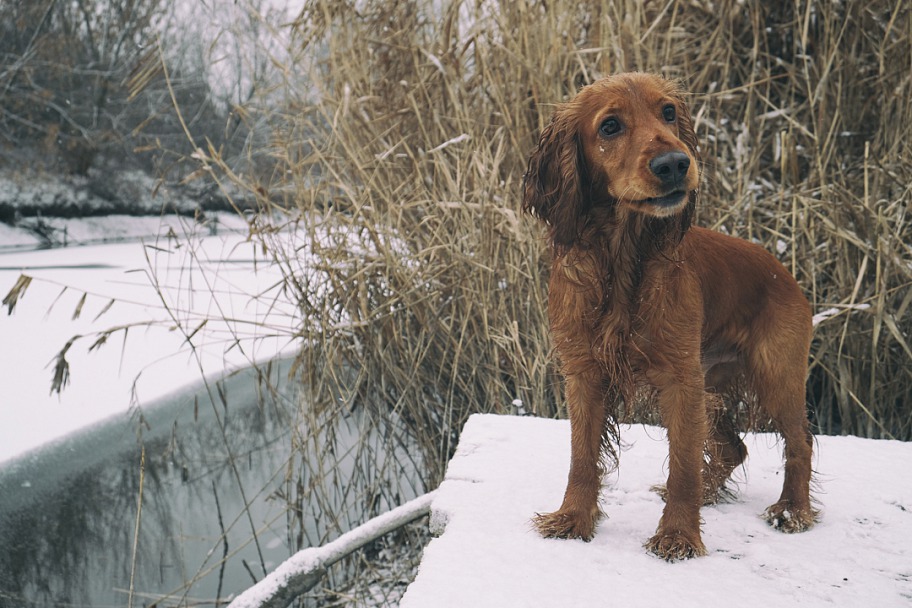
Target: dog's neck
626	242
629	244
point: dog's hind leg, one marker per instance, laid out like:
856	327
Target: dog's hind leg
724	450
777	370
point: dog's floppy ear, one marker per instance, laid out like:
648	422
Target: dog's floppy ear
552	185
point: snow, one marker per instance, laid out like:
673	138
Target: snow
104	192
217	284
829	313
508	468
304	569
505	470
207	281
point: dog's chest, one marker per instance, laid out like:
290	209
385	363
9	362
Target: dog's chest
663	315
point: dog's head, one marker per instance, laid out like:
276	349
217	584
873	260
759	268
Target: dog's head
624	141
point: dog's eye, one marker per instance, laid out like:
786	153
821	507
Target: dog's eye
668	113
610	126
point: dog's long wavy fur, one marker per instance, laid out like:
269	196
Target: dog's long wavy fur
640	298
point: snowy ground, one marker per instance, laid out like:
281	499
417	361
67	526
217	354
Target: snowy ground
508	468
200	278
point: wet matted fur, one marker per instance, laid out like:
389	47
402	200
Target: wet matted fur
639	297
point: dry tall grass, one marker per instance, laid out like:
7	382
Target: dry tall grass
406	130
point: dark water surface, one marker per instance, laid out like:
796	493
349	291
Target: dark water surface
68	512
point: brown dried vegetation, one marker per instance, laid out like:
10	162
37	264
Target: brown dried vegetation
416	132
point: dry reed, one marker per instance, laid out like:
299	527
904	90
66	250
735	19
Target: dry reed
404	135
395	145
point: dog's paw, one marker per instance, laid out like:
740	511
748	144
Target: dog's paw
675	546
783	516
566	524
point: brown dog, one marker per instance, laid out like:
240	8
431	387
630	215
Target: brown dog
638	297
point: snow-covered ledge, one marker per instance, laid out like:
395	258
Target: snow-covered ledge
303	570
507	468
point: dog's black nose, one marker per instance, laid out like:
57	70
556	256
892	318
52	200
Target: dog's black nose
670	167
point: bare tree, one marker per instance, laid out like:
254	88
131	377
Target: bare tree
64	70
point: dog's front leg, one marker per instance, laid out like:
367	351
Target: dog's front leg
680	397
579	513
